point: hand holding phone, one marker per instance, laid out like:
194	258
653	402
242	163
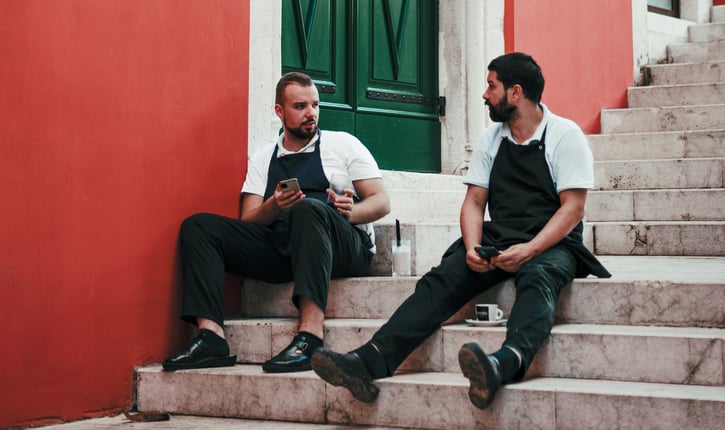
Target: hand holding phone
486	252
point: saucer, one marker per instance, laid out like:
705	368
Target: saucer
479	323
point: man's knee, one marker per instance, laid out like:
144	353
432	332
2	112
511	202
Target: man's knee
307	210
195	224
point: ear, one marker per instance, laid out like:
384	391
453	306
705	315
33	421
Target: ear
516	92
278	111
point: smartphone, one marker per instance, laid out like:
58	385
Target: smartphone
486	252
289	185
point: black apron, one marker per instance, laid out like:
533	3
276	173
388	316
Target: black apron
522	199
307	168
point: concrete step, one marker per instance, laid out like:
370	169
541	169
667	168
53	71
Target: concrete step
717	14
676	95
691	238
684	73
681	355
689	292
419	205
656	205
712	32
696	52
680	118
658	145
541	403
659	174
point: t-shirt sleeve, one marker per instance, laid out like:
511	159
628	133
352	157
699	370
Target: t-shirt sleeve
257	167
573	164
360	162
479	169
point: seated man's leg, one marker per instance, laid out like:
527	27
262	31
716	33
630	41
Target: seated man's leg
210	246
324	245
438	295
538	284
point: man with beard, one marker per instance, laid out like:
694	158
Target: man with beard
532	169
307	236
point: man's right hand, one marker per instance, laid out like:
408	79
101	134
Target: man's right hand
476	263
284	200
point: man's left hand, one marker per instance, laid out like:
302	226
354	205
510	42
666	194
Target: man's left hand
343	203
513	257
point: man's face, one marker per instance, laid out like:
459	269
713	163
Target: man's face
300	110
496	98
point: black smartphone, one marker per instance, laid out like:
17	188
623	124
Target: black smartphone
486	252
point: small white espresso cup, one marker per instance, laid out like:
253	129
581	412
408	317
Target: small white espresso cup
488	312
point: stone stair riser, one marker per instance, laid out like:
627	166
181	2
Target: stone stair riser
586	301
679	356
686	73
410	206
676	95
659	238
696	52
659	174
656	145
656	205
545	403
713	32
705	117
717	14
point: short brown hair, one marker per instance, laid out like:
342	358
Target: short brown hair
288	79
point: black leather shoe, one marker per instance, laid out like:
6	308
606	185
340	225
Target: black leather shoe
345	370
294	358
484	373
204	351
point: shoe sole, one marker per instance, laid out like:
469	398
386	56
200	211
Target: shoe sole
228	361
478	370
286	369
334	372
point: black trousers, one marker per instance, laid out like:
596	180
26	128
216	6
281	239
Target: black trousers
446	288
323	245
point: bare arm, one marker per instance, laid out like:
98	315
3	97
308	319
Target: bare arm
258	211
559	226
471	220
374	201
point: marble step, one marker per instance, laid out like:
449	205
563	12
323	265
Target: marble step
679	118
684	73
689	292
712	32
656	205
658	145
717	13
696	52
413	400
676	95
658	238
659	174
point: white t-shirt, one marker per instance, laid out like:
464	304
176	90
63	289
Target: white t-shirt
341	154
567	153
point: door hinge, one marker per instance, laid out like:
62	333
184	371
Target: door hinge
442	106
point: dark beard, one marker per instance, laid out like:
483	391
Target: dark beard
502	111
301	133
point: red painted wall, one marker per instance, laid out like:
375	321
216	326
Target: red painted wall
117	120
584	49
718	2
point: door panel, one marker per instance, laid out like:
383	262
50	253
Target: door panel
380	56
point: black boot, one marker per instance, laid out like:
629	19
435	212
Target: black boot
484	373
345	370
205	350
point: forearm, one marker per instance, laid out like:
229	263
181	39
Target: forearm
263	214
371	209
471	223
558	227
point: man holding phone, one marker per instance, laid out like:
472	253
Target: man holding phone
532	170
293	227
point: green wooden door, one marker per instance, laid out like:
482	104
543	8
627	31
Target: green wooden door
375	63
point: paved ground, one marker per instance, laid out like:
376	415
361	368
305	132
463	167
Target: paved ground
183	422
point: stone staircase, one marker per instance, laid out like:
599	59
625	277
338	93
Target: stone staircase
644	349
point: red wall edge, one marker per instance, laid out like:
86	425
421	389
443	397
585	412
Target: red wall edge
117	120
584	49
